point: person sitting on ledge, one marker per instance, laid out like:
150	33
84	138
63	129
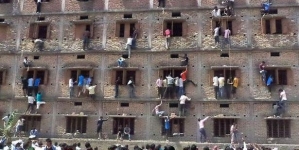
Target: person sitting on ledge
121	62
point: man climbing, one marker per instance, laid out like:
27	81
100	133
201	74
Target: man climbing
202	131
265	8
157	110
185	80
263	71
167	36
86	37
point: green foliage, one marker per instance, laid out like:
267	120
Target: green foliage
6	131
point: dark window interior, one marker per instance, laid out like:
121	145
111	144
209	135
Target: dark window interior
42	32
122	122
268	26
122	30
41	75
132	26
120	75
278	128
4	1
176	28
131	74
278	24
76	123
282	77
176	126
222	127
31	122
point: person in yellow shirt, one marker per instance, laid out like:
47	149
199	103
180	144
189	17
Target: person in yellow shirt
235	86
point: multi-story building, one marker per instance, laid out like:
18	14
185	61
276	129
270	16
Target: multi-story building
272	38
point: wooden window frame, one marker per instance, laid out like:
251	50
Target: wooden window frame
278	128
124	77
222	126
180	122
34	29
273	29
31	121
68	73
123	121
3	74
74	123
276	81
184	26
44	81
4	27
127	30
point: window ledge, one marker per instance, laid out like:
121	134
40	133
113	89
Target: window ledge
122	116
281	118
84	21
224	67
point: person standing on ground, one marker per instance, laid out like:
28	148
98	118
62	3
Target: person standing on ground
167	36
182	100
38	6
86	40
167	127
24	85
49	145
131	85
233	132
157	110
19	127
202	131
119	135
159	85
99	126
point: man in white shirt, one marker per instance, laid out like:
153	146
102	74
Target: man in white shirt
227	36
283	99
157	110
91	91
71	87
216	86
202	131
221	82
129	45
30	85
5	119
131	85
30	107
182	100
169	89
181	87
19	127
216	12
216	36
159	85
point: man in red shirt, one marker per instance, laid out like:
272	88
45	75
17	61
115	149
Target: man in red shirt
185	80
167	35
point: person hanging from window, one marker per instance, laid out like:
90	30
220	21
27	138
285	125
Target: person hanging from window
216	34
216	86
167	36
129	45
38	6
127	131
39	44
221	81
227	33
157	110
27	63
231	4
282	100
185	60
265	8
39	101
91	91
159	85
235	86
134	36
185	80
131	85
86	40
269	82
263	72
117	83
169	89
121	62
36	85
24	85
183	100
216	12
161	3
31	101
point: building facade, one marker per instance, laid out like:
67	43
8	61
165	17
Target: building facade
272	38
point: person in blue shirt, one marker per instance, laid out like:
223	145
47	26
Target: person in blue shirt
80	84
265	8
36	85
167	127
33	133
269	82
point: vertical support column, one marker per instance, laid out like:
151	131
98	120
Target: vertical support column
54	113
61	23
149	30
148	121
249	31
199	34
297	21
105	25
